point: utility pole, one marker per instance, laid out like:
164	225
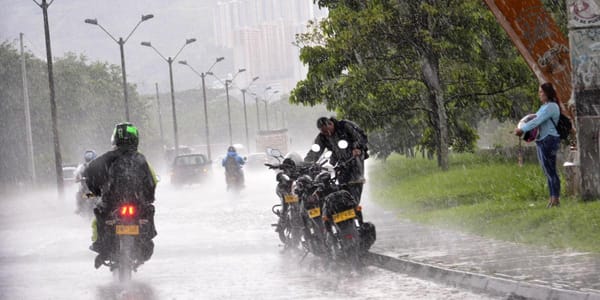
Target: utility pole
27	115
57	156
162	136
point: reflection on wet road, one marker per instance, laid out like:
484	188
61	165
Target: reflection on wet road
210	245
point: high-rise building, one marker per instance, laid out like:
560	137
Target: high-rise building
262	34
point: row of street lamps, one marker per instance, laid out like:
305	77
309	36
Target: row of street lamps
228	82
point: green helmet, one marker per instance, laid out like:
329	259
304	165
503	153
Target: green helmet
125	134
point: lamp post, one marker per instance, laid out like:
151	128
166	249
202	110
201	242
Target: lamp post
245	114
162	136
121	43
169	61
57	155
266	101
227	82
203	75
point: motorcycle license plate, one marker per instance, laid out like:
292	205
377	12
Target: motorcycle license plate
127	229
315	212
343	216
290	198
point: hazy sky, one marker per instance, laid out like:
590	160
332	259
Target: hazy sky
174	21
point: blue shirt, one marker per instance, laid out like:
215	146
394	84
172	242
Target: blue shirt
542	120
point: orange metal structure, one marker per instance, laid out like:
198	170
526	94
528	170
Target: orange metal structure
538	39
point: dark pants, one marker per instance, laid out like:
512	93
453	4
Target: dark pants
546	152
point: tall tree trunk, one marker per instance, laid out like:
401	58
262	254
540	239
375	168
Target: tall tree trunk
431	77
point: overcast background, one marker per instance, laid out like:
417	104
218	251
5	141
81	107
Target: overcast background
174	21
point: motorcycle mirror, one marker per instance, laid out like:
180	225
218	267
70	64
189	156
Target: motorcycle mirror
343	144
315	148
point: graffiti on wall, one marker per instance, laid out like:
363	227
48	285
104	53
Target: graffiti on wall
584	35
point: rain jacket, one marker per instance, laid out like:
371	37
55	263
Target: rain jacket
236	158
342	131
121	174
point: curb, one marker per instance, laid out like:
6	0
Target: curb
477	282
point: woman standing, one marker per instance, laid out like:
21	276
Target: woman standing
548	139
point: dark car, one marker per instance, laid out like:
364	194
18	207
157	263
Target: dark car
189	169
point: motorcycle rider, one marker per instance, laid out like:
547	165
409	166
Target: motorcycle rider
83	190
233	165
122	173
331	132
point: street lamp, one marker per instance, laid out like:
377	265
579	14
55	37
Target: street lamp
256	101
122	42
227	82
245	114
203	75
266	101
170	62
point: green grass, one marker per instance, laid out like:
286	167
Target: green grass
485	196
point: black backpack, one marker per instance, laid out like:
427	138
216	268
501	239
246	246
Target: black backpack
563	127
126	177
364	139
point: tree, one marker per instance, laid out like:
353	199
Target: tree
89	104
426	70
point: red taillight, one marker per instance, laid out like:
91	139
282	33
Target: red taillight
127	210
348	236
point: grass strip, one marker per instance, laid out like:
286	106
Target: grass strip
485	196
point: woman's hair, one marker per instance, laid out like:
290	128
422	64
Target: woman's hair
549	91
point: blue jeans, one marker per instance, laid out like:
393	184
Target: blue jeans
546	152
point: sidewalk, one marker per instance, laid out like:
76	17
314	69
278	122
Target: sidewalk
490	266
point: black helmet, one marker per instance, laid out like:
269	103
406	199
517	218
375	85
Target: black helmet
231	149
125	134
304	182
323	178
89	155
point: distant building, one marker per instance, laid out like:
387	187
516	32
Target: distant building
261	33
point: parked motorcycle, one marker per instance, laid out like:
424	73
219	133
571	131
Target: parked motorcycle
348	238
313	238
289	225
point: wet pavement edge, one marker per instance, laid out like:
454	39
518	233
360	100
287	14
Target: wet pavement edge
486	284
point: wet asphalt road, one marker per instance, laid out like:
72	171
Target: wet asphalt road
211	245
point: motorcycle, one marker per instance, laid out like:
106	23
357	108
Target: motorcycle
289	225
234	179
128	236
348	238
313	238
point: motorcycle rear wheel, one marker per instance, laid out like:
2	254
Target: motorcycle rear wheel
125	266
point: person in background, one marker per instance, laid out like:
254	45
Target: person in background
548	139
83	190
233	167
